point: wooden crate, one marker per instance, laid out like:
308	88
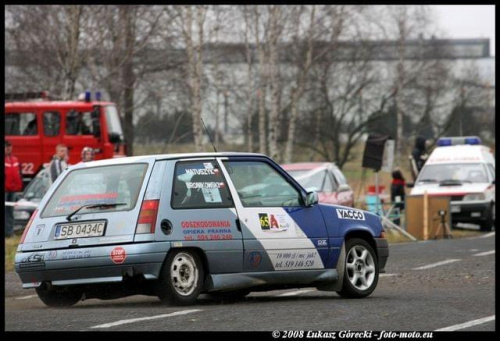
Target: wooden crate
414	214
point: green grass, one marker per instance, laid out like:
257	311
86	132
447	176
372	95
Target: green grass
10	251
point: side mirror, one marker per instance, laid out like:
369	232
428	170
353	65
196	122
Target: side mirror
311	199
410	185
343	188
493	182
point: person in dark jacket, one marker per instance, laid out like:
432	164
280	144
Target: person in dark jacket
13	184
398	192
419	156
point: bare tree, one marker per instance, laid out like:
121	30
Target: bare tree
276	17
48	40
327	26
404	22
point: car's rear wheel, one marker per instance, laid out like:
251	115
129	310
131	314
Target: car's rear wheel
361	269
58	296
487	224
181	278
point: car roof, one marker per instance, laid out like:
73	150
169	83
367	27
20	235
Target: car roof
305	165
157	157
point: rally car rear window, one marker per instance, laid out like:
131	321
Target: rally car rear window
97	185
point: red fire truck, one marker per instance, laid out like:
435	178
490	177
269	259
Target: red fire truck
35	124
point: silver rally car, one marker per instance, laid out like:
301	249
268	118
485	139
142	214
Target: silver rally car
179	225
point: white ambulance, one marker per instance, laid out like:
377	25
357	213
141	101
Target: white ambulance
464	170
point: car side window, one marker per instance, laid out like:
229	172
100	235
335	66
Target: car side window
199	184
330	185
21	124
339	176
51	123
78	123
259	185
491	170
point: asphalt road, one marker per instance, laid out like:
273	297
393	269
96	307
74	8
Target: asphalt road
428	286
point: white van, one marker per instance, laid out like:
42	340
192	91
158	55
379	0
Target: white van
464	170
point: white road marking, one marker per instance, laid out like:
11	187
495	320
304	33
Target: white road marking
387	275
433	265
25	297
492	252
118	323
491	234
293	293
466	324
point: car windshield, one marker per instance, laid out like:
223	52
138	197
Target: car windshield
465	172
311	180
97	185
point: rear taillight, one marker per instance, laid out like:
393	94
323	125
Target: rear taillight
28	225
147	217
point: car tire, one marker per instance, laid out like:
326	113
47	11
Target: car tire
58	296
361	269
487	224
181	278
234	295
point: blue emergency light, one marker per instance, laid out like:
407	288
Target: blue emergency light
453	141
87	96
98	96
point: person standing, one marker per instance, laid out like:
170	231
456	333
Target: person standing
398	192
58	164
13	184
87	154
418	156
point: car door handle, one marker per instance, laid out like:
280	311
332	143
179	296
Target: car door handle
238	225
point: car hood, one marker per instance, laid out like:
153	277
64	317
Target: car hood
436	189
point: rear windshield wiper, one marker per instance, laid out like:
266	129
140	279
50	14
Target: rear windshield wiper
427	180
68	218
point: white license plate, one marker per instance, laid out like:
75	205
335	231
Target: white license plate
455	209
80	230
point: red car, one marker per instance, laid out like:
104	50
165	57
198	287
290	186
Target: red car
324	178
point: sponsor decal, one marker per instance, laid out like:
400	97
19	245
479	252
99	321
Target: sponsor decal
273	222
350	214
37	246
74	241
205	223
205	185
52	254
35	260
264	221
255	259
118	255
75	254
211	195
208	165
296	259
322	242
177	244
205	171
39	230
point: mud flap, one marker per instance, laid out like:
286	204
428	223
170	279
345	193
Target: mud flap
336	286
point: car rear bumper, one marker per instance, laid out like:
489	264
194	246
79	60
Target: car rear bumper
382	252
90	265
470	213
